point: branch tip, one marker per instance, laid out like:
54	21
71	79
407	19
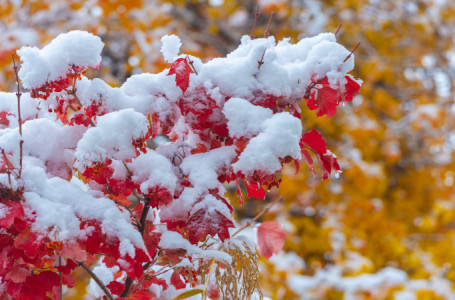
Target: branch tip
352	52
338	29
256	15
266	33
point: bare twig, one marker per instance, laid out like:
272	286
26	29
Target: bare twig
97	280
338	29
19	118
7	163
256	15
347	57
266	33
263	212
73	93
61	279
191	64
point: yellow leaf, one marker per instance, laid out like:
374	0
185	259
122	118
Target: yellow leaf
188	294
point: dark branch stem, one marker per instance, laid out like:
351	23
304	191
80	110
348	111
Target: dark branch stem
97	280
129	281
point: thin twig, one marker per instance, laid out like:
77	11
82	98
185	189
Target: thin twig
19	118
266	33
61	278
338	29
138	284
97	280
8	169
73	93
191	64
129	281
347	57
256	15
263	212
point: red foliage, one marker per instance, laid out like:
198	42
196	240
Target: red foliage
270	238
313	140
182	70
325	99
204	222
31	261
176	281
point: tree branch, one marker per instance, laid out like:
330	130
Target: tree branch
97	280
19	118
263	212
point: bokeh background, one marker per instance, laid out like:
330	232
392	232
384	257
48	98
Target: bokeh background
385	228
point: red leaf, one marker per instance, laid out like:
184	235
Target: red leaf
38	285
3	118
18	274
68	268
313	140
176	281
255	190
324	98
297	166
158	281
151	239
15	211
68	280
182	70
239	192
115	287
270	238
200	148
308	160
351	88
327	160
28	241
204	222
141	295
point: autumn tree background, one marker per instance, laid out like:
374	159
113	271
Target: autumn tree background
384	229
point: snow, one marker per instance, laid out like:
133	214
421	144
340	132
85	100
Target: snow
152	169
386	277
47	140
54	153
170	47
202	168
375	283
75	48
58	203
180	207
105	274
211	204
111	138
279	138
8	103
244	118
3	210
